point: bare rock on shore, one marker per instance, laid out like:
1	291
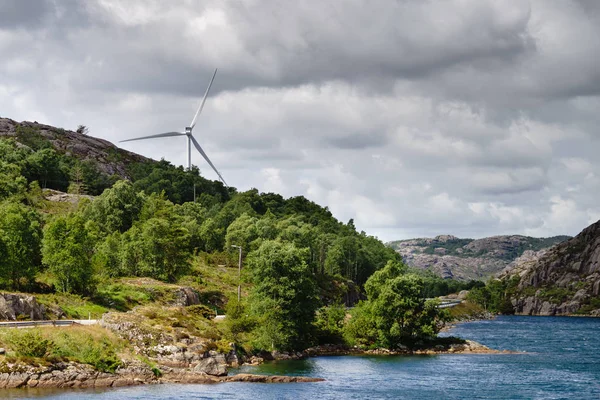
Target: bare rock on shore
215	366
73	375
270	378
468	347
62	375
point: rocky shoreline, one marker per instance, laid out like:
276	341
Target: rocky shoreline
75	375
468	347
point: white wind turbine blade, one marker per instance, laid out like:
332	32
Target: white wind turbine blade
203	101
197	145
166	134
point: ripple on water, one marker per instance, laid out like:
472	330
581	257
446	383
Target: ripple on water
562	362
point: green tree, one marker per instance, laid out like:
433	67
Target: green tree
396	312
116	209
12	183
242	232
330	324
192	215
156	248
45	167
107	256
211	235
67	250
284	296
20	241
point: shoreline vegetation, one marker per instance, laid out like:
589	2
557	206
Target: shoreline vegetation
70	374
102	356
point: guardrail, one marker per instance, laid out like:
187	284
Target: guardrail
58	323
449	303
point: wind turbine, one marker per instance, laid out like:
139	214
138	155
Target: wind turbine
190	137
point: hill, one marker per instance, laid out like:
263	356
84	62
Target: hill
113	245
562	280
108	158
464	259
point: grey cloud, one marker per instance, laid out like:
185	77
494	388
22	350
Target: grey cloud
23	13
415	118
286	44
357	141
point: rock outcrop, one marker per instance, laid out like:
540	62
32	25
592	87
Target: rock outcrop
464	259
20	306
110	159
563	280
73	375
215	365
186	296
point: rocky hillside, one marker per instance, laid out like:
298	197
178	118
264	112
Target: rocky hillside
109	159
563	280
464	259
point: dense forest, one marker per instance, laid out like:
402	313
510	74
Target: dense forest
301	264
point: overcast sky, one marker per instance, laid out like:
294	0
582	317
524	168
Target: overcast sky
415	118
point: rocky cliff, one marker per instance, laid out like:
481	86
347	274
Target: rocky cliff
563	280
464	259
109	159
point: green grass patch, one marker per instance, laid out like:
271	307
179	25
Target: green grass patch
73	306
153	367
88	345
121	296
555	295
465	310
591	305
214	283
126	293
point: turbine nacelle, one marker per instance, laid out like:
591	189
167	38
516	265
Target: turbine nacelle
188	130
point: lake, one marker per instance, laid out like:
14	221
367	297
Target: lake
562	361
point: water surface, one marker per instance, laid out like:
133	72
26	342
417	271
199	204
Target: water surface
562	362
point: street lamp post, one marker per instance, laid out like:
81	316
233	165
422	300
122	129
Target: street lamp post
239	271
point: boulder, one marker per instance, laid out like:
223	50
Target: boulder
20	306
186	296
215	366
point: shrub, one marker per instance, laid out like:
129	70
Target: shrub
201	310
29	343
80	345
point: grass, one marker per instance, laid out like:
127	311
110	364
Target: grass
556	295
153	367
181	320
154	324
91	345
73	306
593	304
465	310
214	283
124	294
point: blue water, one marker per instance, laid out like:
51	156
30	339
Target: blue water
562	361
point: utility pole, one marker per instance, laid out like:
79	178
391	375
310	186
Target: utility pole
239	272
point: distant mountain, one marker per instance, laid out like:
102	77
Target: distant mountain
562	280
464	259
